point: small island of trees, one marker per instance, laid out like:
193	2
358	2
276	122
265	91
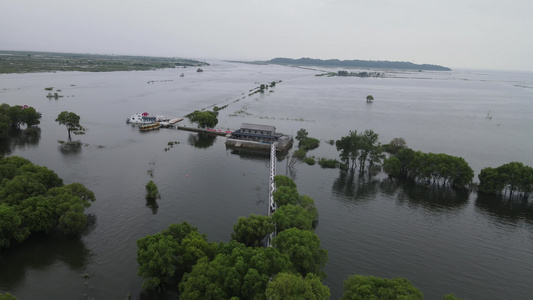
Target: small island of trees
34	199
12	117
180	258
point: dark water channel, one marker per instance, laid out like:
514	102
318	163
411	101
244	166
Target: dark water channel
444	241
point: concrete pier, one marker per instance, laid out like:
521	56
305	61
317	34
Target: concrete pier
202	130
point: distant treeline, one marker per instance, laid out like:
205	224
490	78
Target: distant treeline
380	64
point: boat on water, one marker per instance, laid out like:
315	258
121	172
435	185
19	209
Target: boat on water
148	127
145	118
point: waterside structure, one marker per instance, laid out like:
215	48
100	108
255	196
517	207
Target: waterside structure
255	136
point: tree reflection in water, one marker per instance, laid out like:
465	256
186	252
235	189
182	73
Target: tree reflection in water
201	140
19	139
43	250
503	209
355	187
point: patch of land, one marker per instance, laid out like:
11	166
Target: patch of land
356	63
31	62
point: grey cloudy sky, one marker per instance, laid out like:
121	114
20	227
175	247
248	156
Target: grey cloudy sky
476	34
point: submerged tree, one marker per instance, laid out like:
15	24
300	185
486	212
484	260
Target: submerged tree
33	199
71	120
203	118
152	192
514	177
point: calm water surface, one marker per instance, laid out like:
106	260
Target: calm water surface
444	241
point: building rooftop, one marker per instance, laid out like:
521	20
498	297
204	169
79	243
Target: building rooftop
258	127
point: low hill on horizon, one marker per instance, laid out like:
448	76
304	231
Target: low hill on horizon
305	61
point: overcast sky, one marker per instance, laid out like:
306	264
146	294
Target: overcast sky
472	34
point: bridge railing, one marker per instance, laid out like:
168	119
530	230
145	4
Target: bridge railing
271	190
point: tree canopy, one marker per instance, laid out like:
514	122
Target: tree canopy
289	216
203	118
360	148
71	120
236	271
34	199
11	117
252	230
303	249
294	286
514	178
430	168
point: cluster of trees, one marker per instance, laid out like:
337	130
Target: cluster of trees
357	74
429	168
513	177
305	143
11	117
204	119
34	199
181	257
360	148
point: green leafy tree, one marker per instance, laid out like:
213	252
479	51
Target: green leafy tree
295	287
30	116
367	143
392	166
252	230
309	204
303	249
301	134
349	147
15	115
10	226
375	157
188	246
368	287
193	247
13	191
70	120
236	271
292	216
285	195
395	145
34	199
281	180
38	213
309	143
180	231
152	192
203	118
513	177
157	256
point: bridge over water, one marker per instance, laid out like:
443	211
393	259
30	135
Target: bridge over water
271	189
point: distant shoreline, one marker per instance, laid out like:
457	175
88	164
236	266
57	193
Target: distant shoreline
363	64
39	62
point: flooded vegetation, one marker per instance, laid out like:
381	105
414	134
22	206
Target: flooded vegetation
441	239
28	62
